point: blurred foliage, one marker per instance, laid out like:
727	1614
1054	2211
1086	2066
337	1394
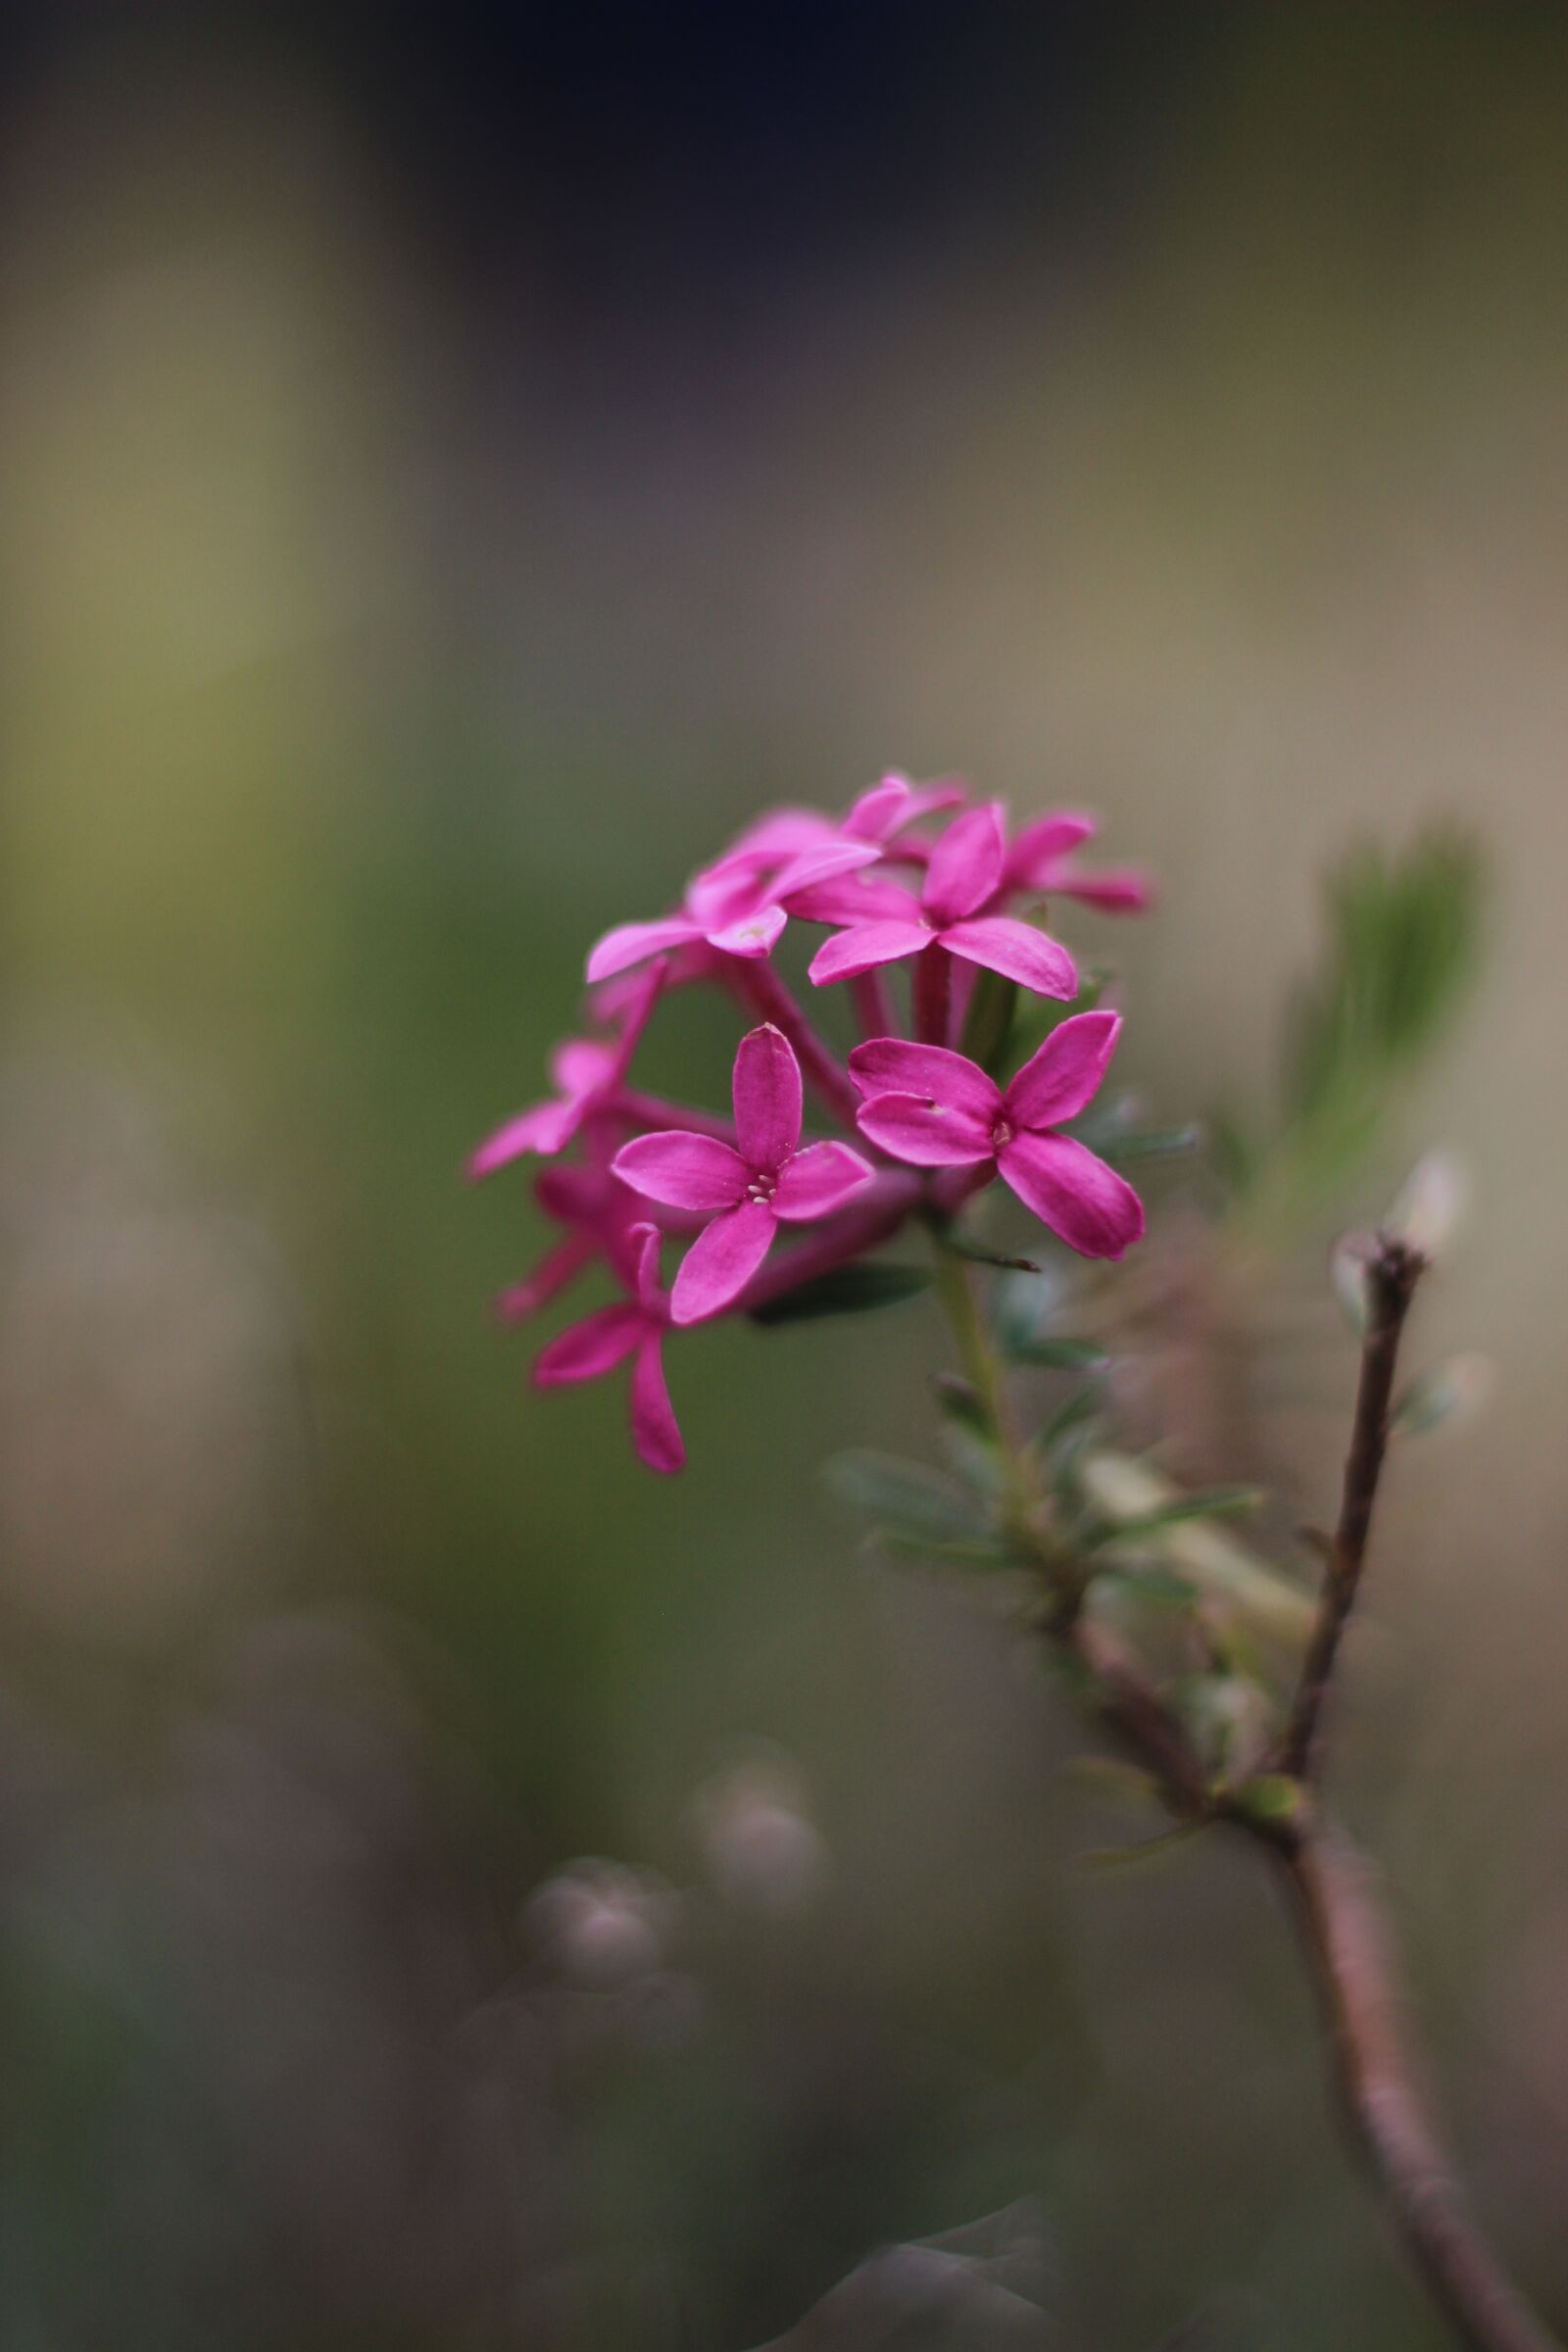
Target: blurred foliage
1401	935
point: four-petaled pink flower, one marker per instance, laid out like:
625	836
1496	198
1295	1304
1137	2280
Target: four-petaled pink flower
737	909
744	1193
1041	859
938	1110
964	874
588	1071
633	1327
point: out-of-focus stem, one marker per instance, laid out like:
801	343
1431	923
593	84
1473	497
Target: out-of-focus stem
654	1111
819	1064
873	1005
955	1290
933	994
1343	1935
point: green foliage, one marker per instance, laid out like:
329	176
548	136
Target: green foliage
1209	1502
846	1291
903	1498
962	1405
1050	1354
915	1514
1400	950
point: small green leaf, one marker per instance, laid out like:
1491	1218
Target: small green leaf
1150	1142
1228	1720
1148	1849
1111	1777
1071	1418
1158	1587
1212	1502
1121	1486
1271	1796
985	1553
847	1291
1060	1354
905	1497
1023	1305
961	1403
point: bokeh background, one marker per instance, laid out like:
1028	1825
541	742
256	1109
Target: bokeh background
458	464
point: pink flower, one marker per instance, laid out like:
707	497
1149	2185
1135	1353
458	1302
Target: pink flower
588	1072
939	1109
964	874
878	816
744	1194
633	1327
1042	859
734	909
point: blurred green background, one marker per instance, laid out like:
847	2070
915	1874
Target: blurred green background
457	465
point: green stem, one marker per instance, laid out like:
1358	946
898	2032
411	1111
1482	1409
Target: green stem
955	1290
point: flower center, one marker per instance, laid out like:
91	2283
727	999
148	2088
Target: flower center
1001	1133
761	1188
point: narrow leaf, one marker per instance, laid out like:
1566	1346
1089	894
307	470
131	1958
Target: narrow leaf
1213	1502
961	1403
905	1496
1060	1354
847	1291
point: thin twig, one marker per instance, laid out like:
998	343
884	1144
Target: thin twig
1340	1926
1390	1279
1347	1946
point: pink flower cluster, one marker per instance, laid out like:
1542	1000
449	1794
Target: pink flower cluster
912	875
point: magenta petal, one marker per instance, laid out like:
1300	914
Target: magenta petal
581	1066
819	1180
548	1127
879	812
768	1097
1067	1072
779	834
823	863
753	936
965	867
554	1270
631	943
1018	951
1114	890
645	1239
1039	848
855	898
1085	1204
888	1066
638	1012
682	1170
594	1345
578	1195
924	1133
654	1431
721	1261
865	948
